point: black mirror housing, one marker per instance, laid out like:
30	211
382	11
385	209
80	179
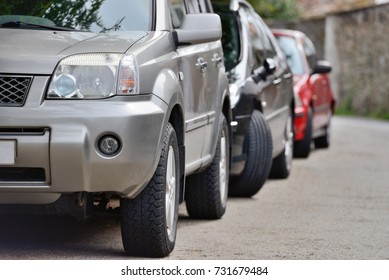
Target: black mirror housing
322	67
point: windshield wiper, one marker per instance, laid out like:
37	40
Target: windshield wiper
18	24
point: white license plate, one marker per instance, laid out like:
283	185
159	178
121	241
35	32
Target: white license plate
7	152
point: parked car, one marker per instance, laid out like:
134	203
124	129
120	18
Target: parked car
312	87
115	99
261	89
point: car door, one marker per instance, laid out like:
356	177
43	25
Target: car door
196	74
260	51
193	85
213	57
277	94
320	88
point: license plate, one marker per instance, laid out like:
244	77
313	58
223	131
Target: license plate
7	152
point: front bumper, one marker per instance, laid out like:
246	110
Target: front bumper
56	145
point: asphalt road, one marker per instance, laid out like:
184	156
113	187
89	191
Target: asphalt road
335	205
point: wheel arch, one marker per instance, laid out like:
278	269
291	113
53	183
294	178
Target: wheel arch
258	105
227	112
176	119
167	87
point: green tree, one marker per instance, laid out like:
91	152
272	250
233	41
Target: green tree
68	13
280	9
75	13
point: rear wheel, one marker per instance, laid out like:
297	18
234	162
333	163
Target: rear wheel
206	192
149	222
258	148
282	164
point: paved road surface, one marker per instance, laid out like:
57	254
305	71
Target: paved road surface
335	205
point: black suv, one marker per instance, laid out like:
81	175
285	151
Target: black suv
261	90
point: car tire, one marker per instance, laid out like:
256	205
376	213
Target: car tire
302	148
282	164
258	147
324	141
206	192
149	221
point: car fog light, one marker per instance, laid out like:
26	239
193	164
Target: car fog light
109	145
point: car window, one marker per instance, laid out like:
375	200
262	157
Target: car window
98	16
230	35
193	6
256	38
269	46
310	52
177	12
204	6
293	57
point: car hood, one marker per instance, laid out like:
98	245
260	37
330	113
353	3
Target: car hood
38	52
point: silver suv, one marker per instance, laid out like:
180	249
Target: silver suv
115	100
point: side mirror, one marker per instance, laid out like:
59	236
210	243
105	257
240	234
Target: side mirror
199	28
322	67
268	68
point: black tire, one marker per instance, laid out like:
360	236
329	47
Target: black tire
302	148
282	164
324	141
149	222
258	147
206	192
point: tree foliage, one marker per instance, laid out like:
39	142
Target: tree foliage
67	13
280	9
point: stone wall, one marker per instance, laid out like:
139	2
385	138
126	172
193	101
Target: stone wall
314	28
357	45
318	8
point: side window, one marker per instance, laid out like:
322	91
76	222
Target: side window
270	52
230	40
204	6
310	53
257	40
193	6
177	12
268	44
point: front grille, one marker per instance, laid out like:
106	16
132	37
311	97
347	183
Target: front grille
20	174
22	131
13	90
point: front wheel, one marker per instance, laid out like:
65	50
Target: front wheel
206	192
258	147
149	222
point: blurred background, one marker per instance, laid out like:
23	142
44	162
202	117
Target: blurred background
353	36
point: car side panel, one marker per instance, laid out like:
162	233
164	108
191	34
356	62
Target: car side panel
322	100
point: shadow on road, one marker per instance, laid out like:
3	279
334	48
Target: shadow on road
59	237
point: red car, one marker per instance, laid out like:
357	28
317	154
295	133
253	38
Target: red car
314	99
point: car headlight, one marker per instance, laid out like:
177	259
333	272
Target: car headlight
94	76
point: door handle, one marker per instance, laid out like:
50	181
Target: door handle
277	81
288	76
202	64
217	59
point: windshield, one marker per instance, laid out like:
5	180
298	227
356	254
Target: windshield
294	59
84	15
